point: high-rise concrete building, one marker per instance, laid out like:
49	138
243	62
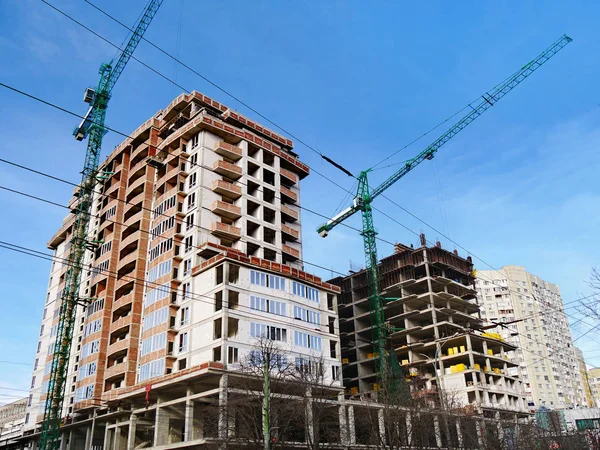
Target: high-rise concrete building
585	377
200	255
538	326
436	334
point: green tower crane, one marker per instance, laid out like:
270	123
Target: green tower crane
93	128
388	369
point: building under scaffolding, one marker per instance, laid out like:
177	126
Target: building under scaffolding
435	330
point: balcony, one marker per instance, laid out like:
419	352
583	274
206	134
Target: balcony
131	257
228	151
226	189
227	169
290	233
288	176
122	301
121	323
115	369
226	231
118	346
289	214
226	210
290	251
288	195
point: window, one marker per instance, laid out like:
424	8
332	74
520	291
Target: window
185	316
335	373
307	366
162	227
87	370
94	307
192	180
92	327
42	330
186	291
159	271
39	347
267	305
152	369
191	201
307	315
30	400
164	206
32	382
153	343
155	318
193	161
268	331
159	249
257	358
187	267
305	291
183	342
189	222
267	280
194	140
232	355
307	340
189	244
90	348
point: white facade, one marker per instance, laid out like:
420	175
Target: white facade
546	355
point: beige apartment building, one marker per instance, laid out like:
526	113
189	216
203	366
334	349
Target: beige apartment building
537	326
199	256
593	378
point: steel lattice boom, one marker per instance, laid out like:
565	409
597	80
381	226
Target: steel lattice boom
364	198
93	128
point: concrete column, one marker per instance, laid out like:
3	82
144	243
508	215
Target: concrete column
438	431
409	429
223	383
430	289
351	425
310	425
161	424
459	433
131	432
107	438
188	433
67	439
381	423
480	427
343	421
121	438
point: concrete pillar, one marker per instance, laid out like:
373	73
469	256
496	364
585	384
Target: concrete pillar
188	433
351	426
480	427
381	423
431	299
408	429
438	431
67	439
223	383
161	424
121	435
131	432
343	421
88	438
459	433
310	425
107	438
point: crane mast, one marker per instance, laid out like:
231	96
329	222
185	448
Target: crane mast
388	368
93	128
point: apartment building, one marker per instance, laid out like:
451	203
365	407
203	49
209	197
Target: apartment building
436	333
584	376
199	256
537	326
12	418
593	379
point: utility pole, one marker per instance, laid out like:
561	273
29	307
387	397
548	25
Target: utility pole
266	401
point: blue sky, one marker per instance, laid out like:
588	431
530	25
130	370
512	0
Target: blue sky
358	81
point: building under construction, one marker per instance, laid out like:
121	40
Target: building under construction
435	330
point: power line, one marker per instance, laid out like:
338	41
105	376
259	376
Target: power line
140	281
183	88
135	139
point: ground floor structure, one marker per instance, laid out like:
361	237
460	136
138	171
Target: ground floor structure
213	408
